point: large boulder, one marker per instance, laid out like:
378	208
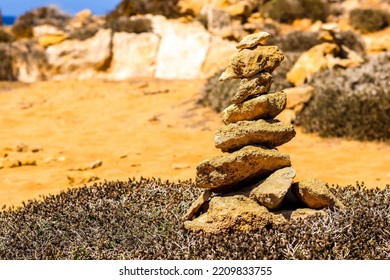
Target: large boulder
271	191
182	50
225	172
134	55
81	59
268	133
231	213
266	106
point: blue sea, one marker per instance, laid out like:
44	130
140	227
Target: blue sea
8	20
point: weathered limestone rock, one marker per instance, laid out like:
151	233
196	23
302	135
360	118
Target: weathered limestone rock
258	84
270	133
266	106
182	49
231	212
315	194
80	59
222	173
298	96
311	62
134	55
253	40
249	62
197	205
303	213
271	191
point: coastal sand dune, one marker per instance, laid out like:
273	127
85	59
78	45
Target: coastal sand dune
58	135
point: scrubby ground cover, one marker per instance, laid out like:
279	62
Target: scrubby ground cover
353	103
141	219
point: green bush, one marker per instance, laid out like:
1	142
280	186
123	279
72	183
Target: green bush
352	103
288	10
369	20
127	8
23	27
84	33
141	219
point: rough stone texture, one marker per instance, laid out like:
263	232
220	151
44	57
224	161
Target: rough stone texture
29	61
231	212
258	84
312	61
268	133
271	191
134	55
252	40
266	106
315	194
223	173
182	50
80	59
249	62
303	213
197	205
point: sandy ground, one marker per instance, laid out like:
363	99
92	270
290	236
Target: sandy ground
62	134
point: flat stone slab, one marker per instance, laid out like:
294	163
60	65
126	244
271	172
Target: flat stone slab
266	106
231	213
258	84
197	205
249	62
315	194
271	191
253	40
268	133
226	172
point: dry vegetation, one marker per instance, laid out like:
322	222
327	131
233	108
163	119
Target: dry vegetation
141	219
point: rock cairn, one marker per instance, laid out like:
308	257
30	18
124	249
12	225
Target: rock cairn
246	187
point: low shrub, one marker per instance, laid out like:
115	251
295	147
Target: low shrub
141	219
6	66
5	37
296	41
217	94
369	20
127	8
131	25
354	103
23	27
84	32
287	11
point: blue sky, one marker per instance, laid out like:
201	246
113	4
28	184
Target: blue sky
18	7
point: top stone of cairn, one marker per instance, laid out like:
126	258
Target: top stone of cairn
252	40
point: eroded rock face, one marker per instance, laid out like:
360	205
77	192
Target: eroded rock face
271	191
223	173
258	84
268	133
249	62
266	106
197	205
232	212
81	59
134	55
315	194
182	50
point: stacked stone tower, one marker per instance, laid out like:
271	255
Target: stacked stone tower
251	178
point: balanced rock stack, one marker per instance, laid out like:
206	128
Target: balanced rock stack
252	178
